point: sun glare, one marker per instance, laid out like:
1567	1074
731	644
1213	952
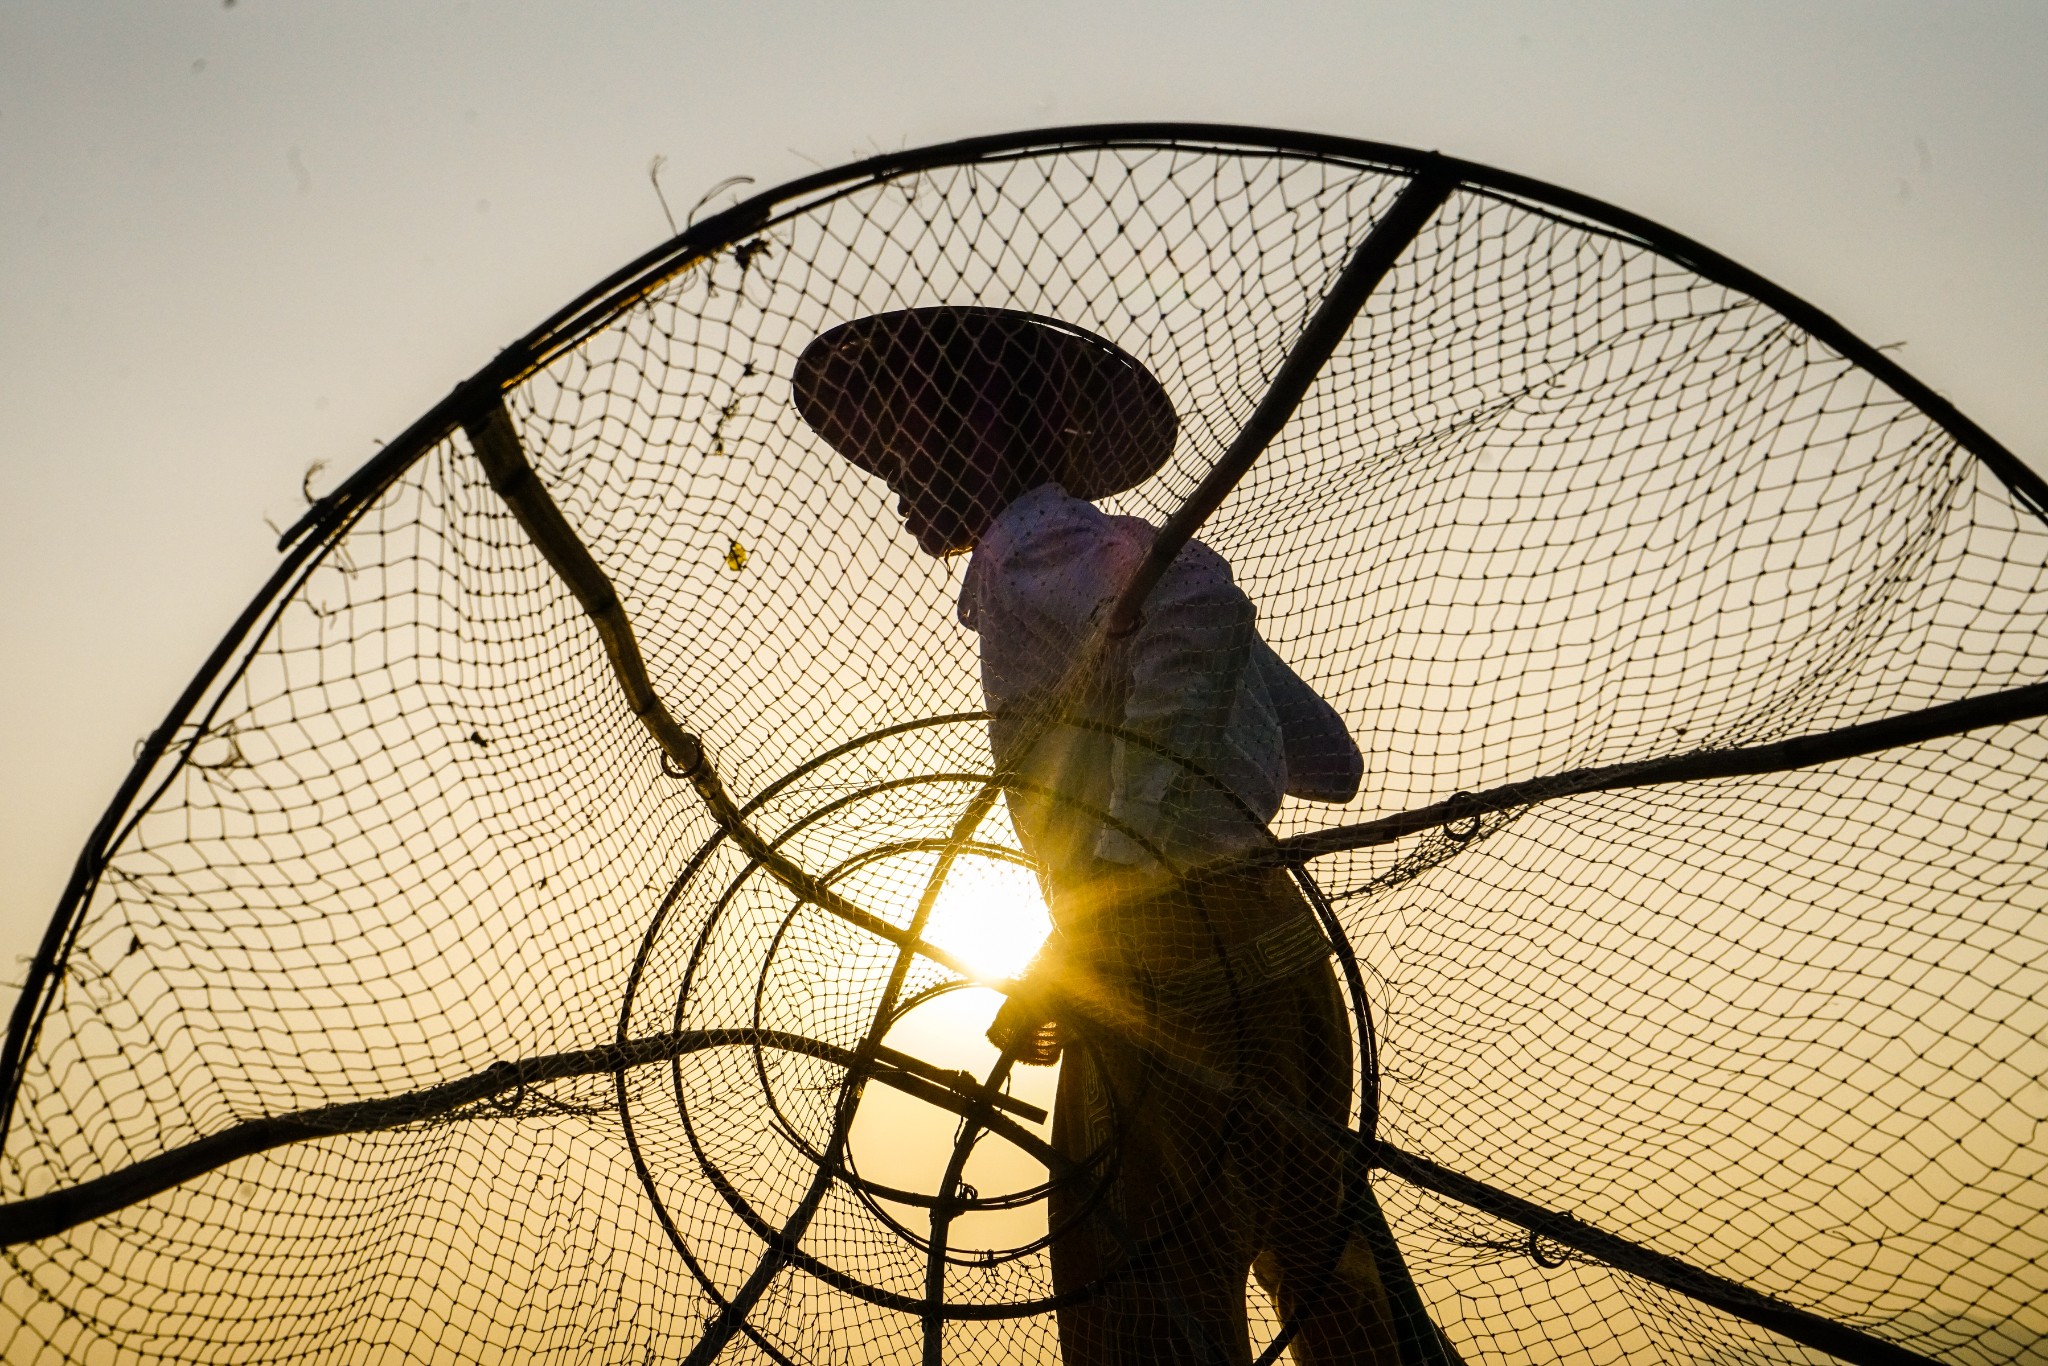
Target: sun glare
992	914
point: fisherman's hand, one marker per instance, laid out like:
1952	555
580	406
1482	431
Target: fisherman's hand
1024	1027
1019	1030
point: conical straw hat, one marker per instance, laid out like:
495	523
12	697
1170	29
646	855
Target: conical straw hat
923	375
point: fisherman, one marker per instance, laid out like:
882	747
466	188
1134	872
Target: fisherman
1192	999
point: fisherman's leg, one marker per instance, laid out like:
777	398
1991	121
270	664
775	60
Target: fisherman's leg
1317	1263
1078	1210
1336	1299
1162	1254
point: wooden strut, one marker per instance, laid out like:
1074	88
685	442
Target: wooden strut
1806	751
43	1216
504	460
1390	236
1800	1325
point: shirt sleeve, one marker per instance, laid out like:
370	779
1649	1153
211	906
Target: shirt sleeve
1323	762
1186	661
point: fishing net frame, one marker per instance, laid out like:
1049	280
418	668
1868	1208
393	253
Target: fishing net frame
92	1158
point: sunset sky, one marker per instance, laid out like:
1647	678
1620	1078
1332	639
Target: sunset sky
238	239
1553	502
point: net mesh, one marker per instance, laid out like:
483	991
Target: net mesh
1556	500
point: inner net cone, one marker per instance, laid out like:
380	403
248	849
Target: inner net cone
562	919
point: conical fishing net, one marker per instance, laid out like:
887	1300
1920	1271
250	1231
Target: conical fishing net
1673	988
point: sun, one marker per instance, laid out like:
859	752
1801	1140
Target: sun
990	913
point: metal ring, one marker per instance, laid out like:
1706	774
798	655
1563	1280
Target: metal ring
496	1098
1536	1254
1451	826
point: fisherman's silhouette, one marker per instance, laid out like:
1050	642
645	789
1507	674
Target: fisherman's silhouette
1193	1002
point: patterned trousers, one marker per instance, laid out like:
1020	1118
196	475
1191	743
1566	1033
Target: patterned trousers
1197	1032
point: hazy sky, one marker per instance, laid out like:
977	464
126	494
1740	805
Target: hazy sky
239	238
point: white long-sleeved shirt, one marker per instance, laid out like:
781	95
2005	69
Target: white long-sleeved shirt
1194	679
